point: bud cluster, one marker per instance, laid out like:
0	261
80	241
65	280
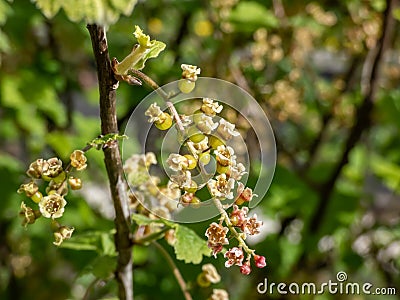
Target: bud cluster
50	199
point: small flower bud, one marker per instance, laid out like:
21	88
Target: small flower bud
35	169
245	269
245	196
52	169
75	183
259	261
78	160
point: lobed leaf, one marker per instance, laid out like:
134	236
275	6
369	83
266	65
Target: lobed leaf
189	247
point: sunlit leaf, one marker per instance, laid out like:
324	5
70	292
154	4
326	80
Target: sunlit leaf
248	16
189	247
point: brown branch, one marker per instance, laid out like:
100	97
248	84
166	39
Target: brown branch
363	114
113	162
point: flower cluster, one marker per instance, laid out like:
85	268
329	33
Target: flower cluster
207	137
51	204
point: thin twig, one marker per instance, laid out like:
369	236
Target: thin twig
175	270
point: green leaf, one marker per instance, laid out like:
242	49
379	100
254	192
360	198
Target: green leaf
143	220
389	172
123	6
95	241
104	266
396	14
104	12
5	11
145	50
189	247
248	16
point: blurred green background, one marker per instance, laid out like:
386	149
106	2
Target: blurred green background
334	203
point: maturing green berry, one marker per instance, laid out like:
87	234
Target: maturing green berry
197	116
222	169
192	163
165	122
192	188
195	135
214	141
186	86
205	158
37	197
60	178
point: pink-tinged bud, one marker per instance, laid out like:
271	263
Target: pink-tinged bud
259	261
245	269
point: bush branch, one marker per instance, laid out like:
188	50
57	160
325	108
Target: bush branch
113	162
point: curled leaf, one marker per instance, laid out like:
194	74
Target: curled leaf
141	52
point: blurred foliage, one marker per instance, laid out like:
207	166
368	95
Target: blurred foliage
303	61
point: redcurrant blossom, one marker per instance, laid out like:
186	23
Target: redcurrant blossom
224	155
177	162
201	146
245	269
236	171
206	124
210	273
35	169
226	130
52	168
28	215
219	294
182	179
259	261
52	206
153	112
78	160
210	107
190	72
234	256
29	189
245	195
221	187
253	226
216	235
238	216
63	233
